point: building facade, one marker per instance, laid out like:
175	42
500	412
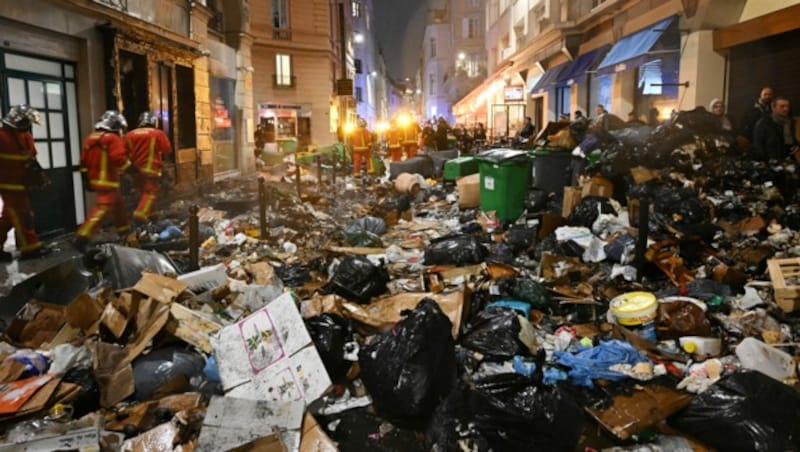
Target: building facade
72	60
631	56
371	81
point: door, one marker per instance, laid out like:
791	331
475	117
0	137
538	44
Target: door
303	132
49	86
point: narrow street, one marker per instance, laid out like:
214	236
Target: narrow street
432	225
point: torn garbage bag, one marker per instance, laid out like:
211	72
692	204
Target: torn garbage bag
527	290
586	213
330	333
411	368
168	365
747	411
495	331
595	363
357	278
506	412
365	231
456	250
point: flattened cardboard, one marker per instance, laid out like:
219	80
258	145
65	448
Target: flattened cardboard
83	312
15	394
314	439
150	320
269	355
272	443
143	415
113	372
385	312
572	197
159	287
629	415
38	401
192	327
598	186
642	175
232	422
207	278
34	330
469	191
84	439
162	437
113	320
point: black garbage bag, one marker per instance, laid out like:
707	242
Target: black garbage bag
360	430
747	411
293	275
506	412
358	279
520	238
363	239
699	121
330	333
495	332
632	136
411	368
369	224
88	398
500	253
587	211
153	370
456	250
529	291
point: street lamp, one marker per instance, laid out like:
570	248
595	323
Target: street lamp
358	38
462	56
374	73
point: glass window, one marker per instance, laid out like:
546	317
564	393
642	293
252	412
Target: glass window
433	47
16	91
283	70
54	101
223	91
359	94
280	13
36	93
356	9
187	131
59	151
56	121
432	85
35	65
72	115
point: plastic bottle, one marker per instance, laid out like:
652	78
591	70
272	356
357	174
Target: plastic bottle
766	359
701	346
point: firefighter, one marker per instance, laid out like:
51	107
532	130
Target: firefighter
410	139
103	158
394	139
146	146
362	148
17	153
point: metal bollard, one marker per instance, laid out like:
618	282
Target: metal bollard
333	169
262	207
194	238
641	242
319	171
297	180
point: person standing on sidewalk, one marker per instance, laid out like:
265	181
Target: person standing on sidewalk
146	146
394	139
103	158
18	158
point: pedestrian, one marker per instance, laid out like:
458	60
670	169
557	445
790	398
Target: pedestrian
146	146
362	148
103	158
773	136
429	135
18	156
527	129
652	117
633	120
442	129
260	138
411	136
480	133
761	108
600	122
717	107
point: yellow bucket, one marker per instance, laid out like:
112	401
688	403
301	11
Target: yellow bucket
634	308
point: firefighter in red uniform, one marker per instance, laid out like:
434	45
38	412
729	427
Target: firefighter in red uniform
411	139
103	157
362	148
394	139
17	150
146	147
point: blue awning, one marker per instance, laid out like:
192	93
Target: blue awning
576	72
549	79
632	50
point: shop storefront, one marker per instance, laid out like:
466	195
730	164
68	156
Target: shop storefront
553	101
575	83
222	92
645	66
288	127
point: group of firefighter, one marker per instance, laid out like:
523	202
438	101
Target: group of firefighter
107	153
402	138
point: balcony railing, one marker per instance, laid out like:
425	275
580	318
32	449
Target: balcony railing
282	34
217	23
283	81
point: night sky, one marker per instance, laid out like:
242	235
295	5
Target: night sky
399	25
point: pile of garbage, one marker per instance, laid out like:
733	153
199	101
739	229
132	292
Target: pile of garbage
382	315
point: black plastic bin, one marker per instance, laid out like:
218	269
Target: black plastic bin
552	170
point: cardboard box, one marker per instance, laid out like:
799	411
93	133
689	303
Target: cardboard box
598	186
269	355
469	191
572	197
